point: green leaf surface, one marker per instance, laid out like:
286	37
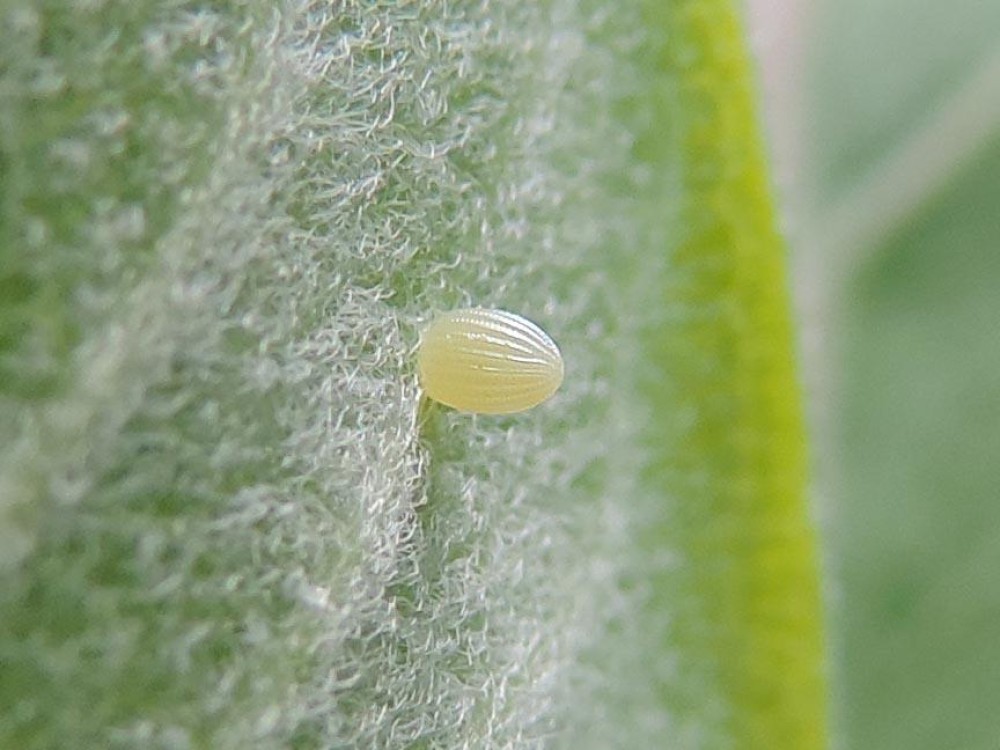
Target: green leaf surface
883	70
918	526
906	141
227	522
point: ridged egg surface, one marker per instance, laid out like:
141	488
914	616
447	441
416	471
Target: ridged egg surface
488	361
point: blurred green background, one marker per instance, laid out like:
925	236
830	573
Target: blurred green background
885	123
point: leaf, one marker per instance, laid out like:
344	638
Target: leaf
730	449
230	523
908	174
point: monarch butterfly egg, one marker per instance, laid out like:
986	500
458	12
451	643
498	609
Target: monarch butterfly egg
488	361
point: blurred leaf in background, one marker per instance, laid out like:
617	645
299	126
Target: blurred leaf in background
904	129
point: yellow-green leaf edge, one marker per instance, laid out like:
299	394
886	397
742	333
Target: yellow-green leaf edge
748	532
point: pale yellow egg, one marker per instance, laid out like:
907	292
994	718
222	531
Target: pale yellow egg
488	361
